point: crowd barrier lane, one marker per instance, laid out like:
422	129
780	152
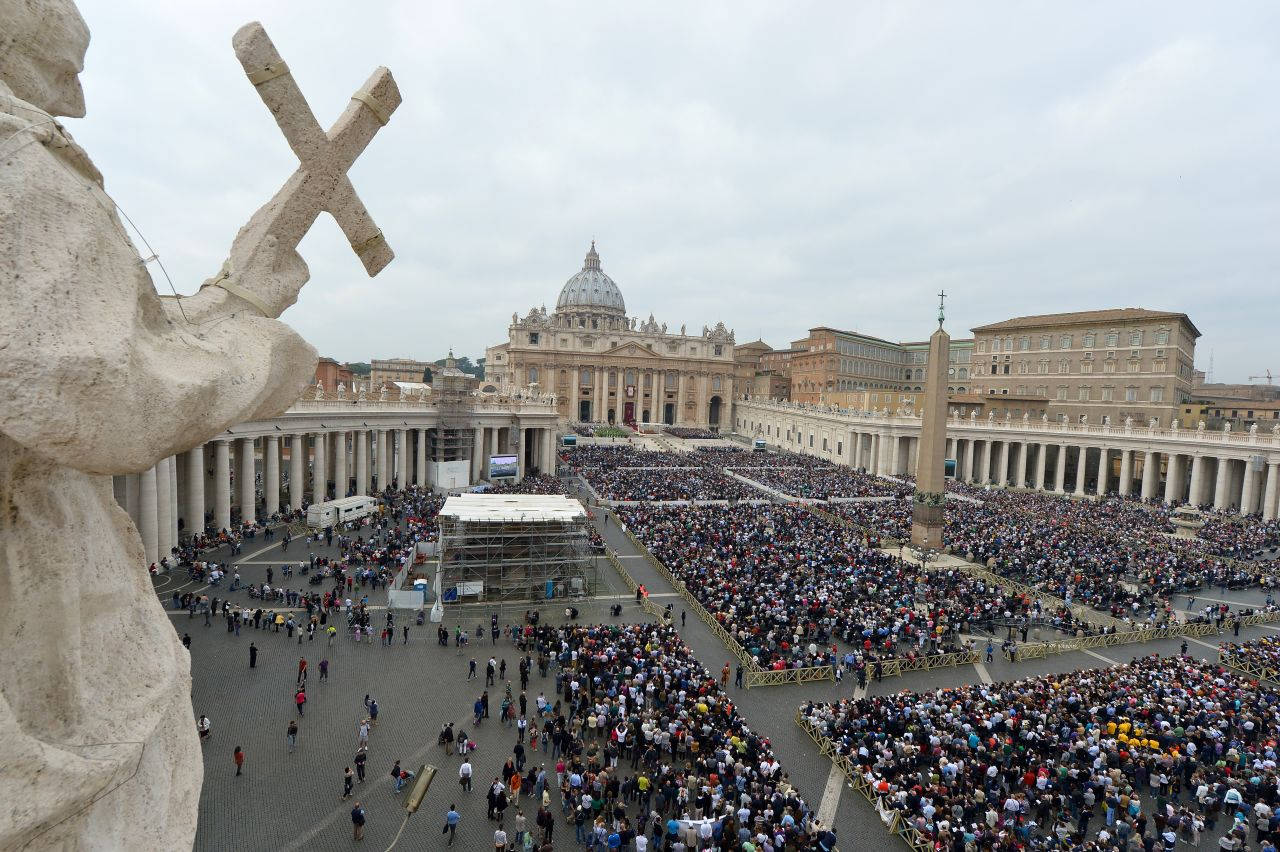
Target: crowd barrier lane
646	605
1039	650
1246	668
895	823
752	675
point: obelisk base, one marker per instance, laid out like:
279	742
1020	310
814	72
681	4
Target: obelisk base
926	526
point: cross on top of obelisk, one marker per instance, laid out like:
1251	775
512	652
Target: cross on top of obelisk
942	298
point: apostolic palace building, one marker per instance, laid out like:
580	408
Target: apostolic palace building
605	367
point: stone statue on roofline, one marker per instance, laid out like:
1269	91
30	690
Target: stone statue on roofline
100	376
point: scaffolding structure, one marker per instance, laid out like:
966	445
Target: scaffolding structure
453	439
515	548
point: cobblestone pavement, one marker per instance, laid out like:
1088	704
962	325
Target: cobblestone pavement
292	801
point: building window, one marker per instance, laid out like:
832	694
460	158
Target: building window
1135	338
995	345
1113	337
982	346
1157	394
1086	367
1021	391
839	448
1044	342
1024	343
1089	339
1162	337
533	338
1062	392
1064	342
1108	366
1084	393
533	374
719	350
1130	394
715	383
1108	394
1135	366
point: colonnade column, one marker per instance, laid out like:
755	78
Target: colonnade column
1269	493
361	437
984	475
1126	473
1042	465
164	510
486	437
1222	484
1104	471
297	470
245	477
520	454
679	418
174	500
1082	457
552	456
381	459
271	474
422	458
477	454
221	485
1172	472
319	473
1150	474
1248	489
1002	477
1197	480
402	458
968	460
1060	471
147	515
341	479
195	490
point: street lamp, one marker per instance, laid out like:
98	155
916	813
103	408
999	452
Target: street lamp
425	775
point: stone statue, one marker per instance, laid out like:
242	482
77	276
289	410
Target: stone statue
1026	417
1044	418
1152	424
101	376
382	393
1128	424
682	329
515	319
1275	430
1226	428
1200	426
342	390
973	416
1253	430
319	389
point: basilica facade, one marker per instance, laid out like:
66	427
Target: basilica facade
605	367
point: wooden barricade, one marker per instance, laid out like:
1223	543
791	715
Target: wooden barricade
895	824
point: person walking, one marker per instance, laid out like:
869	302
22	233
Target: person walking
361	758
357	822
324	670
291	735
464	775
363	734
451	820
348	781
302	670
253	656
238	757
300	698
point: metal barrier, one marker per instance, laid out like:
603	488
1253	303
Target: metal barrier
1038	650
646	605
1246	668
892	819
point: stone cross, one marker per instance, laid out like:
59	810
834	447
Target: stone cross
320	183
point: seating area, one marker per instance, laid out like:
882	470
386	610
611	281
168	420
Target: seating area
814	584
1168	748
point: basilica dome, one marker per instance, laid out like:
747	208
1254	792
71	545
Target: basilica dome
591	290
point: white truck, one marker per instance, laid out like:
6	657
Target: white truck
331	513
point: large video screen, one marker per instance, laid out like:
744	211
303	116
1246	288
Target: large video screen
502	466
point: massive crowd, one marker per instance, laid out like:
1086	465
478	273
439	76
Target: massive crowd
1077	549
639	740
1163	748
1264	653
813	582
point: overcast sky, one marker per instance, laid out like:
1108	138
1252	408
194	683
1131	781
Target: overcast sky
772	166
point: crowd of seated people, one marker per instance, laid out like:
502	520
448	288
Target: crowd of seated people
813	582
823	482
690	432
538	483
652	745
1164	748
1263	653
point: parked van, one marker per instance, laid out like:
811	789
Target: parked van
334	512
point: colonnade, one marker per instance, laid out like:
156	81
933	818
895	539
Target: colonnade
1230	473
233	478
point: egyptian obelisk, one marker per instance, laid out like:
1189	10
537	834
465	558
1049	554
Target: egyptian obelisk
931	487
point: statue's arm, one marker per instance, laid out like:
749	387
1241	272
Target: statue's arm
95	371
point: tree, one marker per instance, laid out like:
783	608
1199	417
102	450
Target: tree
359	368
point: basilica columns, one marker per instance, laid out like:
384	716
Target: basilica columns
1042	461
1248	490
1222	477
341	479
271	474
1196	497
1082	471
984	475
421	480
402	458
1172	477
1060	471
521	461
1125	485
